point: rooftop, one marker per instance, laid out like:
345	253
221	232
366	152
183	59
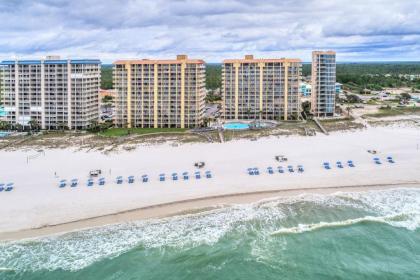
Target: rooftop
251	59
51	60
179	59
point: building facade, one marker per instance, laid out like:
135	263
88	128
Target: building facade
159	93
305	89
323	83
53	93
261	88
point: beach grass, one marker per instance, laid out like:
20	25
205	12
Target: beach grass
389	112
117	132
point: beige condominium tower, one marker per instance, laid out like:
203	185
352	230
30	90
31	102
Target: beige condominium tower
159	93
323	83
53	93
261	88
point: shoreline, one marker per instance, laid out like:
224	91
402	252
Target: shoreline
187	206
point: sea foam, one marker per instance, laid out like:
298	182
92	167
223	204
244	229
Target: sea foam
77	250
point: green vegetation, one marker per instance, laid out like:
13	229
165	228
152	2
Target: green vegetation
106	77
375	76
388	111
352	98
107	99
115	132
213	76
211	97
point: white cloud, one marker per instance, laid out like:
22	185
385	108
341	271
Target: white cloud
210	29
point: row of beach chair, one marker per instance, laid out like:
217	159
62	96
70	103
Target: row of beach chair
339	164
6	187
270	170
131	179
185	176
389	159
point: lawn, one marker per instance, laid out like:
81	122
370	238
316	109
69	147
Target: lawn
116	132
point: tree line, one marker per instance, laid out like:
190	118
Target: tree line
373	76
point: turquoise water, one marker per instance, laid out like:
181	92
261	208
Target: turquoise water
373	235
4	134
236	126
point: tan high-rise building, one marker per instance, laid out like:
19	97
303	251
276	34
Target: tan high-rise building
261	88
159	93
323	83
52	93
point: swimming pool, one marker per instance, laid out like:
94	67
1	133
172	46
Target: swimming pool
236	126
4	134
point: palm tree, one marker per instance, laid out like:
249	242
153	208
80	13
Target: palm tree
348	109
4	125
34	125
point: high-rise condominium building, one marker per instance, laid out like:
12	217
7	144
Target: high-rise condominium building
261	88
160	93
52	92
323	83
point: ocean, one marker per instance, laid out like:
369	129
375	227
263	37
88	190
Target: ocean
368	235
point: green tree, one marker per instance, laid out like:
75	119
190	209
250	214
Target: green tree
213	76
106	77
4	125
108	99
34	125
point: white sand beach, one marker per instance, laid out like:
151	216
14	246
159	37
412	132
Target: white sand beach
38	202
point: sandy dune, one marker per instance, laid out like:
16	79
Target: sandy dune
38	202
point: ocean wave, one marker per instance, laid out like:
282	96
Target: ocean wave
408	220
77	250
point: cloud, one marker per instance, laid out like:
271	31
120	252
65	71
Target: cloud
210	29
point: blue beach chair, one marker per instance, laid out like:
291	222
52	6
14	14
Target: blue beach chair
1	187
300	169
145	178
74	183
327	165
290	168
175	176
197	175
9	187
62	183
339	164
119	180
280	169
101	181
208	174
270	170
162	177
350	163
377	161
185	176
250	171
130	179
256	171
89	182
390	159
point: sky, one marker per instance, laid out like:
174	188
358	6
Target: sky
213	30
